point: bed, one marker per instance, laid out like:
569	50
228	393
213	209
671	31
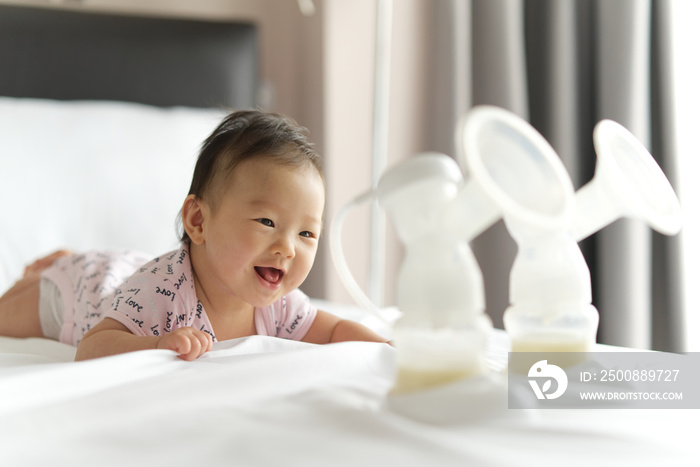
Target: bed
78	170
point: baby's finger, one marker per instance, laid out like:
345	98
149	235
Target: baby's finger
183	344
177	342
194	348
180	344
205	341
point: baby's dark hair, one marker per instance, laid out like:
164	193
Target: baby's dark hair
244	135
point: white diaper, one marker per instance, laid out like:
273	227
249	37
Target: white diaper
50	309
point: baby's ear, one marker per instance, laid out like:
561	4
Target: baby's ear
193	213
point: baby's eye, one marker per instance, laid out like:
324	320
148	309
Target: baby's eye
266	222
307	234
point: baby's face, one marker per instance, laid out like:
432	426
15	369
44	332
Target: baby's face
263	237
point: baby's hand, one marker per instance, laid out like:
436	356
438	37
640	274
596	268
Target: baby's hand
188	342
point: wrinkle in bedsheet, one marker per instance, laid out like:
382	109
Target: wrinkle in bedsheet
235	373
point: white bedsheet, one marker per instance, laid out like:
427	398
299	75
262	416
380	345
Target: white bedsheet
262	401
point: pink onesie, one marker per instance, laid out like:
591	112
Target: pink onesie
156	297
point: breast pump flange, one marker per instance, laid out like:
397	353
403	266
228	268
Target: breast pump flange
550	287
442	330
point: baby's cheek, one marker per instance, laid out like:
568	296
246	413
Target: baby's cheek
303	264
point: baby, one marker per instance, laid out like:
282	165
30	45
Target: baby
251	226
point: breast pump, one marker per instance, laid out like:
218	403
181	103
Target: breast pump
550	287
441	330
515	174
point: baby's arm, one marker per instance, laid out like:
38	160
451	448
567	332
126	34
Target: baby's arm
110	337
328	328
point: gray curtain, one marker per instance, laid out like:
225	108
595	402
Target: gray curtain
564	65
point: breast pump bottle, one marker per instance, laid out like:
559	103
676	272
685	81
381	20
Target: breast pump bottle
550	285
441	334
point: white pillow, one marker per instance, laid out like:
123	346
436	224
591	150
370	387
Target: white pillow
93	174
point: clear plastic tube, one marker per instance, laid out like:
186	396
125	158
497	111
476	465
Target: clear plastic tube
341	265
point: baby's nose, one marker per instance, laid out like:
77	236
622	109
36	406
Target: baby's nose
284	246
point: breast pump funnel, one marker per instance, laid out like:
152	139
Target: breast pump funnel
515	167
627	183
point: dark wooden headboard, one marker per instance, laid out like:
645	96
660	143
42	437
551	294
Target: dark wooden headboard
70	55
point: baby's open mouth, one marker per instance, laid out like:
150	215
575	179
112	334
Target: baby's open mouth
271	275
